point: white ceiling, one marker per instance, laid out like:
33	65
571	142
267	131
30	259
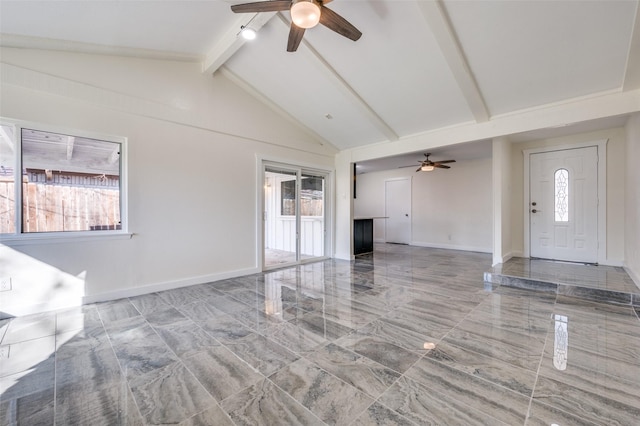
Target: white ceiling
420	66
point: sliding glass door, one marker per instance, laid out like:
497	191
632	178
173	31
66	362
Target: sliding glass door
294	215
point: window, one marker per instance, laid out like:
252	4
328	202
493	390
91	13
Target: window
311	196
288	190
561	192
70	182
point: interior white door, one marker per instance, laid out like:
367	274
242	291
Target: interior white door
563	204
398	211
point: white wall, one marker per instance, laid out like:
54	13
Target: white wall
502	193
343	233
615	187
193	143
450	208
632	199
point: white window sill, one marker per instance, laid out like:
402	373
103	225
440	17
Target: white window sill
62	237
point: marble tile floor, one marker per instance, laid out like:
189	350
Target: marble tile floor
597	283
406	336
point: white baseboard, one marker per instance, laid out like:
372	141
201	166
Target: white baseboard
452	247
344	256
502	259
167	285
608	262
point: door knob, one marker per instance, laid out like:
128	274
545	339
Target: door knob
534	211
534	203
406	214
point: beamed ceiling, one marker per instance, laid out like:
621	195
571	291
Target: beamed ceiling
425	74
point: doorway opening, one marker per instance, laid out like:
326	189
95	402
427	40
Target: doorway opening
397	211
294	215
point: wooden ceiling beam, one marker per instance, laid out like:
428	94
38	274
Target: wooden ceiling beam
544	117
440	25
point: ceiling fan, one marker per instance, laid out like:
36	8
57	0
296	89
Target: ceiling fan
304	14
427	165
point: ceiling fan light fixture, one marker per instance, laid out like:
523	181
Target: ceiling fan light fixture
427	168
305	13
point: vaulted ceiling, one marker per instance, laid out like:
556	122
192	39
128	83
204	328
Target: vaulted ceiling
420	67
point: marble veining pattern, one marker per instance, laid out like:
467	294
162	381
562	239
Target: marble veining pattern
405	336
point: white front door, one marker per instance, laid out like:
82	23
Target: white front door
398	209
563	204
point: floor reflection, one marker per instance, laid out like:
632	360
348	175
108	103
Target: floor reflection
560	343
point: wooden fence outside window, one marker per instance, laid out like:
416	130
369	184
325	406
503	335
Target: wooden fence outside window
57	206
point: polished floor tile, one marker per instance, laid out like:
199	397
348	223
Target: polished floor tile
261	353
266	404
380	350
30	327
320	325
403	336
169	395
486	367
36	408
149	303
476	393
221	372
361	372
213	416
378	414
420	404
329	398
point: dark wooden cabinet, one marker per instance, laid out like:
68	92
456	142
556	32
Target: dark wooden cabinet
362	236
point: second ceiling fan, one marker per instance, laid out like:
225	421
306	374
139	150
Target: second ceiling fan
304	14
427	165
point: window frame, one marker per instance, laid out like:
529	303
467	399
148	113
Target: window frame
19	237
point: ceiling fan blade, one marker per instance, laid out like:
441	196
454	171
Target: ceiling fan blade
440	166
337	23
295	37
262	6
445	161
419	168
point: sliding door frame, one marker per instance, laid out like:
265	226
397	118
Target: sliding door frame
300	169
